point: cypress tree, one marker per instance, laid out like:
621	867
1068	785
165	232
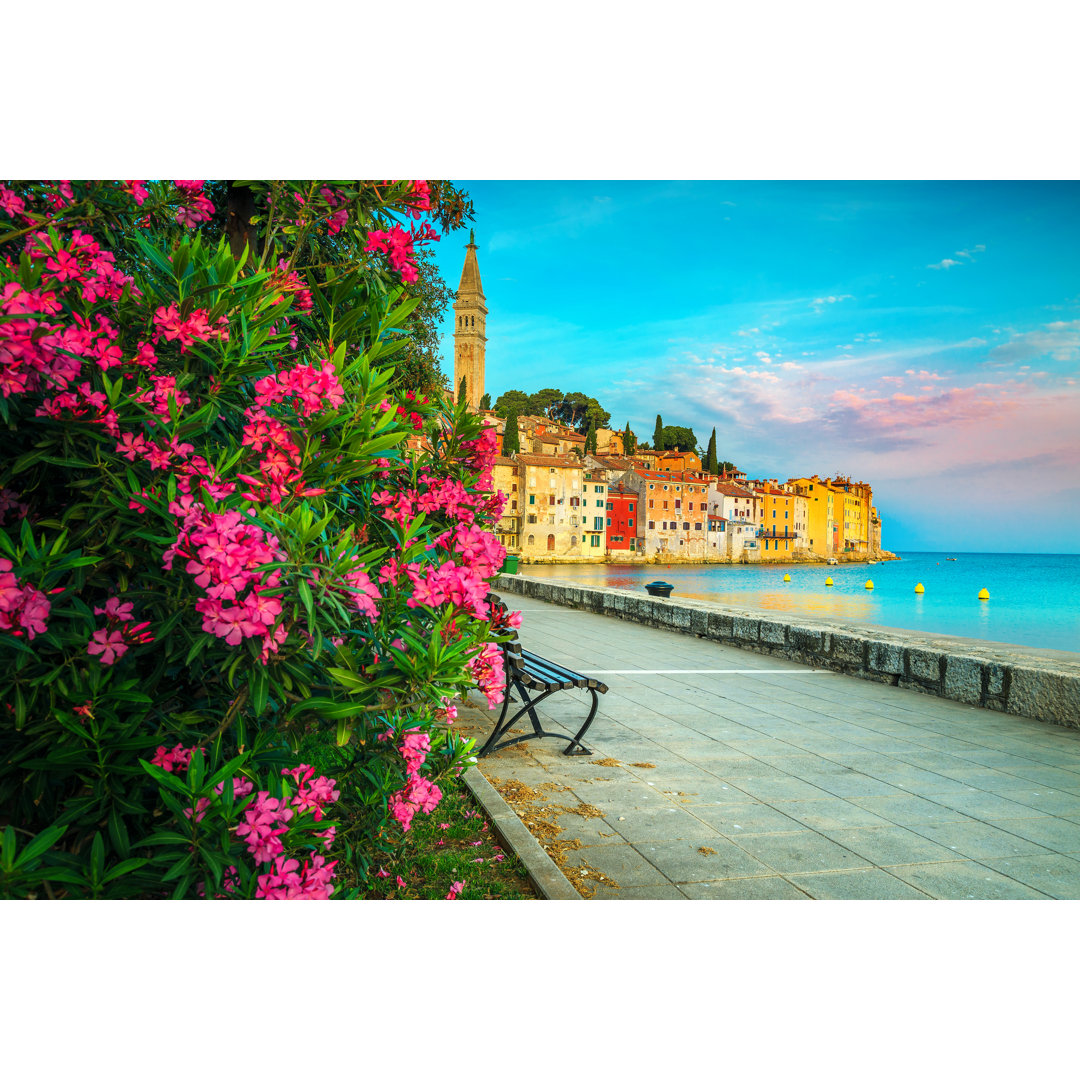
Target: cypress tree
658	434
511	442
590	439
629	440
461	394
710	454
485	402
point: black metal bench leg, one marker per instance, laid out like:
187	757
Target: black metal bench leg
575	748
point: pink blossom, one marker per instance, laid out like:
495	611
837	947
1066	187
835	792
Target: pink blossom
455	890
109	644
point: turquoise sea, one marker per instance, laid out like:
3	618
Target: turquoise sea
1034	599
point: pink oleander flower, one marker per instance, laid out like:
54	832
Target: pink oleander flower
455	890
401	882
107	645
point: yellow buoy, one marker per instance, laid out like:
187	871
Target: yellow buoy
869	585
919	588
828	581
787	577
984	595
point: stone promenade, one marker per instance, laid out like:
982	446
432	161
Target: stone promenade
770	780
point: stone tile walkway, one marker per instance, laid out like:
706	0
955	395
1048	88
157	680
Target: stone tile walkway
772	781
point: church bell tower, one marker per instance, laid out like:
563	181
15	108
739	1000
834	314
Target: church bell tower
469	340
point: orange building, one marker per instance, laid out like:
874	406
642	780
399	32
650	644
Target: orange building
672	512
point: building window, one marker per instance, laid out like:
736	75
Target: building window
630	523
686	526
594	540
697	526
650	504
652	525
551	542
573	541
551	500
631	543
609	523
532	539
678	504
610	506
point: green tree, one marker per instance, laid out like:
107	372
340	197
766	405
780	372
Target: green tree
710	454
596	414
545	402
590	440
485	402
511	441
515	400
658	434
682	437
725	466
629	440
462	390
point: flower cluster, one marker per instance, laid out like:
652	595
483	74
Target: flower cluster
79	260
225	555
195	207
419	793
169	325
22	607
488	670
121	632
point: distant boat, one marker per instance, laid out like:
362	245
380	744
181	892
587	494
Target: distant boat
832	562
949	558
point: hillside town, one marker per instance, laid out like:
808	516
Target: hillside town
569	502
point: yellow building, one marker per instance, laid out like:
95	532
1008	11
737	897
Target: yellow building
821	528
853	506
778	536
505	477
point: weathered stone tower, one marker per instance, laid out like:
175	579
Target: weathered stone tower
469	339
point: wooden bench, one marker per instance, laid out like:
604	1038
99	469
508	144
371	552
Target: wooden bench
533	679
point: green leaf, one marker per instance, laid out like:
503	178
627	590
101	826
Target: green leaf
40	844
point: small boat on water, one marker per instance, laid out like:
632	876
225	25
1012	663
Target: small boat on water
833	562
949	558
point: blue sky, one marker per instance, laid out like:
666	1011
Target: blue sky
923	337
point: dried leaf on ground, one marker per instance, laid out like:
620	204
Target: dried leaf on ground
642	765
706	851
608	762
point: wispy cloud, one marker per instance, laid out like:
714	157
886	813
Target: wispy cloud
819	301
1059	341
966	254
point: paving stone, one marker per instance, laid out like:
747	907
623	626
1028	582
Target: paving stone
735	819
889	845
964	881
1057	834
821	815
662	823
621	863
681	861
1056	875
640	892
869	884
977	840
795	852
788	789
984	805
748	888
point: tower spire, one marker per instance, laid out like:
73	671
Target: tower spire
470	311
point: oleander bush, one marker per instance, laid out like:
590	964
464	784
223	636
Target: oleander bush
227	529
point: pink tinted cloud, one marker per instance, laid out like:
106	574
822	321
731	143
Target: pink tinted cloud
957	405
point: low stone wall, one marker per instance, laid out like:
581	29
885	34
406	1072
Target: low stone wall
1042	684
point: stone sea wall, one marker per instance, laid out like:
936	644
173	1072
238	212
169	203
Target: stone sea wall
1041	684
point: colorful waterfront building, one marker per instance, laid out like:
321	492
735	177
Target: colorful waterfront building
594	500
506	478
551	489
622	517
731	540
673	511
777	535
822	530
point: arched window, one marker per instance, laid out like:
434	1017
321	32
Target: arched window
573	541
551	542
532	539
